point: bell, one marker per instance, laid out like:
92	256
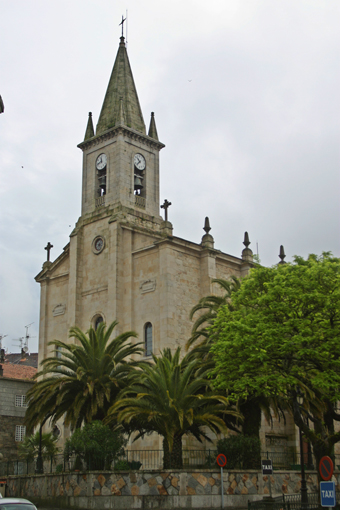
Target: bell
138	182
102	182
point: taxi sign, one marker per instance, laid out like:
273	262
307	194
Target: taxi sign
221	460
327	493
267	467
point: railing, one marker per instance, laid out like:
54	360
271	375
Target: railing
140	201
289	460
286	502
153	459
100	201
131	460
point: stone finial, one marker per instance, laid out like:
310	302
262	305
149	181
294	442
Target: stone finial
207	227
247	254
246	241
89	133
152	128
282	255
207	239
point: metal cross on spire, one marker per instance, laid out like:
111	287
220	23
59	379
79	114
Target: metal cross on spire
122	23
48	249
165	206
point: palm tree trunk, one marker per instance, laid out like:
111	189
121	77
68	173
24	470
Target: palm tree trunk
174	459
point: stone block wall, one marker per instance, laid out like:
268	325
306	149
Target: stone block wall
154	489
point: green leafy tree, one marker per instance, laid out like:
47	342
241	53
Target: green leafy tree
281	336
170	398
203	337
242	452
82	384
96	444
29	448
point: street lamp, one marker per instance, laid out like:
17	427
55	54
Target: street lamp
304	495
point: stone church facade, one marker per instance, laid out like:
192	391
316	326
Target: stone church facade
123	262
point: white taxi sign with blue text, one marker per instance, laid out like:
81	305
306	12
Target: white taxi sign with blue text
327	492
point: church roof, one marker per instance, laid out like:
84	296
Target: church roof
121	104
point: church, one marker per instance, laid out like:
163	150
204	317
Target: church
122	261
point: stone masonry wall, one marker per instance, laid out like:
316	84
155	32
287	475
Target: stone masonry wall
150	489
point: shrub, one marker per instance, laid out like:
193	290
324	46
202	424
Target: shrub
96	444
242	452
122	465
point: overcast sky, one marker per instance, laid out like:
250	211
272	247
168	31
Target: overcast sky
246	99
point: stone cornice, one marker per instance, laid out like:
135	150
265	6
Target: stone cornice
124	130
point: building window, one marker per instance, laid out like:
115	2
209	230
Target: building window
20	432
20	401
97	322
58	352
56	431
148	339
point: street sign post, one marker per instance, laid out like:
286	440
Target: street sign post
267	469
221	460
326	468
327	493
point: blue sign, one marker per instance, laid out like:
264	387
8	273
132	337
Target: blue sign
327	491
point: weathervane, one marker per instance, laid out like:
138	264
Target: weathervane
122	23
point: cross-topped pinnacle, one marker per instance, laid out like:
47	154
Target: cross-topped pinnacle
165	206
122	23
48	249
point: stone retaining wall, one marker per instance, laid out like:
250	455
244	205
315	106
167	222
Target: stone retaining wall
154	489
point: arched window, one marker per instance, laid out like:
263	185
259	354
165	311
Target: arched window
98	320
148	339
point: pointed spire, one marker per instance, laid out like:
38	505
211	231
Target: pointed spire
121	85
89	133
282	255
247	254
152	128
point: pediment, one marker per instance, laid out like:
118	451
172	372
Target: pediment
59	267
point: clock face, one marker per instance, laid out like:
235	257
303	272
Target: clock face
98	245
139	162
101	161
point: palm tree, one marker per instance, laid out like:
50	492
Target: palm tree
210	306
30	446
170	398
83	383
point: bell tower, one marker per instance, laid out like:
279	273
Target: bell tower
121	161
